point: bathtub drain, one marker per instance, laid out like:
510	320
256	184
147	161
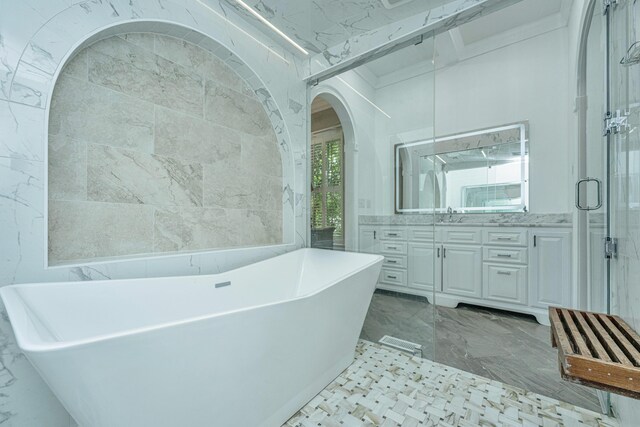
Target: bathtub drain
397	343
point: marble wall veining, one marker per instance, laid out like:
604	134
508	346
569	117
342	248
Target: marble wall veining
36	39
156	145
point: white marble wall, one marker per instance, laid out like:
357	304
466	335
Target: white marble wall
379	40
156	145
36	38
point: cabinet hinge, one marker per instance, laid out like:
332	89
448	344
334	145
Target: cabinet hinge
610	248
615	124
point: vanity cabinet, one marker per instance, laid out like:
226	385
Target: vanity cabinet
550	264
368	240
511	268
462	270
425	271
505	283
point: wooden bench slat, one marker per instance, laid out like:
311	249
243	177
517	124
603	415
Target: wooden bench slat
576	335
631	352
561	336
630	333
597	350
610	345
601	353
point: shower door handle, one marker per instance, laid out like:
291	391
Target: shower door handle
579	192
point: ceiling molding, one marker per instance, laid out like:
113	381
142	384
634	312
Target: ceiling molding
509	37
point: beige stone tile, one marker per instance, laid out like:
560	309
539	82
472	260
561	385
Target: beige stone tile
85	230
143	40
90	113
117	175
232	189
78	67
226	107
67	168
190	229
261	155
192	139
204	63
257	227
129	69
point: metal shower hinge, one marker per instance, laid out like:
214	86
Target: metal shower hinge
615	124
610	248
606	5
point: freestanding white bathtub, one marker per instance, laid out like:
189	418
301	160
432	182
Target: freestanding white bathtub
244	348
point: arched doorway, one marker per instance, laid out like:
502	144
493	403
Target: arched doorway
330	116
327	177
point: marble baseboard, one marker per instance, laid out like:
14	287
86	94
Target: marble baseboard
481	220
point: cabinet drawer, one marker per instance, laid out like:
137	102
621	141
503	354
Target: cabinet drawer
505	283
509	255
393	234
393	277
419	234
395	261
506	237
393	248
470	236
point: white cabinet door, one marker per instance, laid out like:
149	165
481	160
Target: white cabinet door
424	266
550	266
368	242
462	270
505	283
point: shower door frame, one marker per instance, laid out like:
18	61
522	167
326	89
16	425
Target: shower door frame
584	260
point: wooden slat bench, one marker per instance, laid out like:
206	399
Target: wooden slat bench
596	350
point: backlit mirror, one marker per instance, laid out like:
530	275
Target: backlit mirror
481	171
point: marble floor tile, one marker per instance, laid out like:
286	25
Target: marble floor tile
499	345
385	387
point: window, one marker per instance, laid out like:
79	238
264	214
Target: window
327	182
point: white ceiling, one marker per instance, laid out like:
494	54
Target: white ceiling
519	14
518	22
319	24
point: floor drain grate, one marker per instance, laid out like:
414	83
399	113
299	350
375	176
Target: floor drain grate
397	343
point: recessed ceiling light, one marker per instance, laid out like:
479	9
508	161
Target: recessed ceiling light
270	25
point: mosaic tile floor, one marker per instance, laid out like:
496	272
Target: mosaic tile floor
385	387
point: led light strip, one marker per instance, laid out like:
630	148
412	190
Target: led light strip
243	31
362	96
270	25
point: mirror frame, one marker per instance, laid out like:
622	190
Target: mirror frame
508	134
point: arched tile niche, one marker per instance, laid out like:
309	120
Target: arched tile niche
160	140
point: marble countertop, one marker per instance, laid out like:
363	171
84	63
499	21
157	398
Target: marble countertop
478	220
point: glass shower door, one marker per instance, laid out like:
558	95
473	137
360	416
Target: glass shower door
592	189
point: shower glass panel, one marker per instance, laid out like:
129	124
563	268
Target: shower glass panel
391	101
592	189
624	140
493	278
